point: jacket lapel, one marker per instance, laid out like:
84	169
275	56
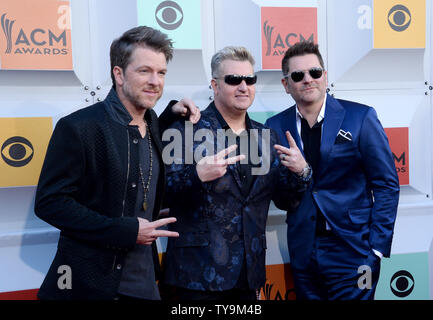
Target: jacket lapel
290	122
216	127
257	139
334	115
232	167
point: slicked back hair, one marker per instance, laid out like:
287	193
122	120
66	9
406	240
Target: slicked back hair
229	53
300	49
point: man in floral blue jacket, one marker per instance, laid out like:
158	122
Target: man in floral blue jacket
222	175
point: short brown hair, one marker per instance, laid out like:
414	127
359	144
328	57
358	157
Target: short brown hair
122	48
300	49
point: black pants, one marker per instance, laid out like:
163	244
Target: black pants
122	297
333	272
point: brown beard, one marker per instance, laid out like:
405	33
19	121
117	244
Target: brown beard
134	99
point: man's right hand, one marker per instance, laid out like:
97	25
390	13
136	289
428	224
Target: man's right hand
213	167
147	232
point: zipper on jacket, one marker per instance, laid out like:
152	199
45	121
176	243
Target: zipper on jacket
127	174
126	188
114	262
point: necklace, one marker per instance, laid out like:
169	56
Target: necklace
146	187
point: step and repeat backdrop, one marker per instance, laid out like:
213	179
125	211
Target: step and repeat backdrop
54	59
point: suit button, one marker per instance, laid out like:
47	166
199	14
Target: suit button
119	266
133	184
313	218
135	141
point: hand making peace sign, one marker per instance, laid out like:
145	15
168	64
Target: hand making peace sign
291	157
213	167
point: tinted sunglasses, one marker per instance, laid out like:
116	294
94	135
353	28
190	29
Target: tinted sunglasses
297	76
235	79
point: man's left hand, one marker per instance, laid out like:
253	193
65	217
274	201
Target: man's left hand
291	157
187	108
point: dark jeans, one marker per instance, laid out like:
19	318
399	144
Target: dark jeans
335	272
122	297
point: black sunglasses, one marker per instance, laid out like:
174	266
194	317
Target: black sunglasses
297	76
235	79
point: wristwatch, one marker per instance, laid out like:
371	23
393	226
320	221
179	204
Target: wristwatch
306	173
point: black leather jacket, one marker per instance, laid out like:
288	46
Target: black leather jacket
87	189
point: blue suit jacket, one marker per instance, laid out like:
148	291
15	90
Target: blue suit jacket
356	185
217	224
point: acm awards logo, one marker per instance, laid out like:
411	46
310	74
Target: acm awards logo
398	139
7	30
400	162
402	284
399	18
169	15
269	294
37	41
17	151
277	46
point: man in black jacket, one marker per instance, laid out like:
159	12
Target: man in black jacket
221	204
103	180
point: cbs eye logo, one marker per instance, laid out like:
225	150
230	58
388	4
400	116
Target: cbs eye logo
17	151
399	18
169	15
402	284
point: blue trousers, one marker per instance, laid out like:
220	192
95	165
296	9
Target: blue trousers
337	272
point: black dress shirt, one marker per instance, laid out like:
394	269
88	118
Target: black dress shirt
311	138
243	167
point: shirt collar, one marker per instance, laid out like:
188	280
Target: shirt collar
120	113
224	123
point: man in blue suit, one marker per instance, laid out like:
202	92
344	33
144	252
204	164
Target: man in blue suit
344	224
